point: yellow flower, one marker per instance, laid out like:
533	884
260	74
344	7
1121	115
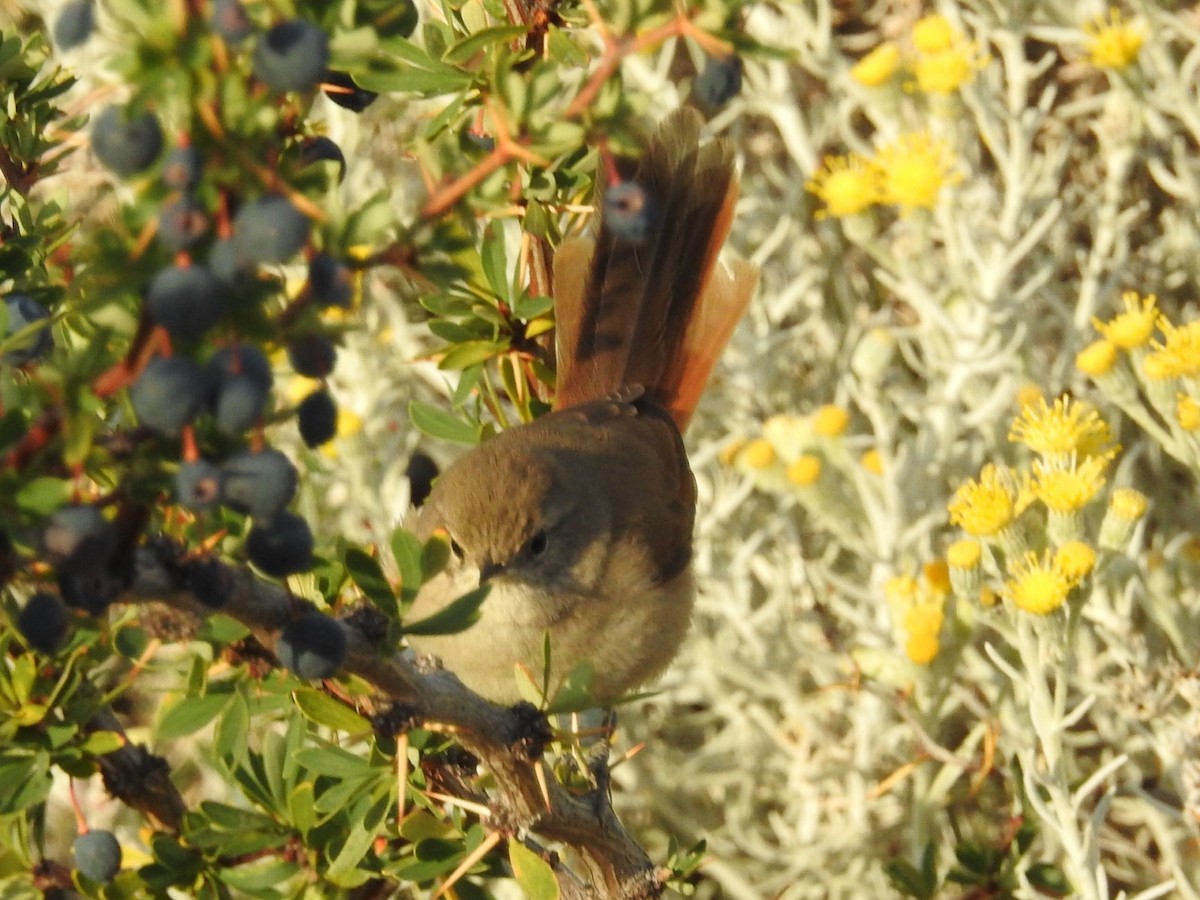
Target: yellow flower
878	66
913	169
1133	327
1069	488
1075	559
925	617
804	470
922	648
830	420
964	554
729	453
1066	427
1029	394
1128	504
1113	42
349	423
987	597
757	454
937	576
945	71
933	33
847	185
1177	355
985	507
872	461
1187	412
298	387
1097	358
1037	585
901	591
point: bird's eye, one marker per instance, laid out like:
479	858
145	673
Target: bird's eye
537	544
456	549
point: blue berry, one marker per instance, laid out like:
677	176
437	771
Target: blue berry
330	281
342	90
269	230
420	472
292	56
720	81
629	212
282	546
181	223
78	537
230	21
317	417
126	145
312	355
44	622
74	24
313	646
170	392
259	484
186	300
97	855
211	582
24	311
198	484
182	169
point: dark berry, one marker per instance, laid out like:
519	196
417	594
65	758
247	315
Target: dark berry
269	230
186	300
240	359
211	582
22	312
420	471
74	24
182	169
230	21
317	417
312	355
225	263
78	537
341	89
282	546
239	403
330	282
198	484
181	223
90	588
720	81
629	212
126	145
322	149
313	646
170	392
44	622
260	484
98	855
292	56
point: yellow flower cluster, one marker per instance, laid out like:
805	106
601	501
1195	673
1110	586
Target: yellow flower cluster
918	606
1113	42
1154	379
908	171
938	56
1029	526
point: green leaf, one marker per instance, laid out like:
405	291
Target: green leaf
533	874
42	496
190	714
322	709
367	574
576	691
98	743
470	353
1049	878
334	761
457	616
463	50
440	424
406	550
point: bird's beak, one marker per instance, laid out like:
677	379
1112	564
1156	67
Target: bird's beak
489	570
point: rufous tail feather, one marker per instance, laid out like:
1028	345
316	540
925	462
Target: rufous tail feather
656	313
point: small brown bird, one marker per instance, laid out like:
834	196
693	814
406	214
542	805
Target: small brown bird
582	521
